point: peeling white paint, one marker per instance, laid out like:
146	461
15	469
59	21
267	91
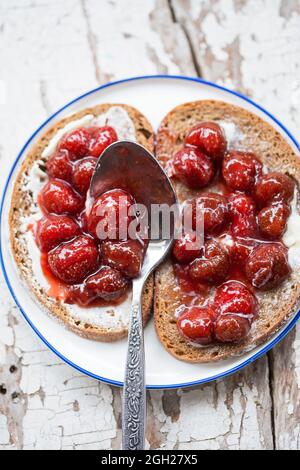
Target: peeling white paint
113	26
210	419
6	336
264	44
296	347
4	434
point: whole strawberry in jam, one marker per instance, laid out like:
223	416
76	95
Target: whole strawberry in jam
232	328
76	142
192	167
236	307
58	197
274	187
101	137
107	283
53	230
267	266
196	324
72	261
240	170
109	217
241	249
234	297
82	174
59	166
272	220
212	209
125	256
243	217
209	138
213	266
187	248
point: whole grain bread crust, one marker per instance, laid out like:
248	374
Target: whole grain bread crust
21	204
276	306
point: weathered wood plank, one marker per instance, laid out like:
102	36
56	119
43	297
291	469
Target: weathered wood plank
145	33
254	47
250	46
228	414
286	384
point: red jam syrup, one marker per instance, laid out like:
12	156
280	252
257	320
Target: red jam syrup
243	251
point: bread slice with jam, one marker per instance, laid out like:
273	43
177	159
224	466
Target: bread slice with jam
245	132
104	323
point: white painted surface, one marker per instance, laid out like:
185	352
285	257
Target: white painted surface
70	47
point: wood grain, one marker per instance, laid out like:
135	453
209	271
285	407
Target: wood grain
70	47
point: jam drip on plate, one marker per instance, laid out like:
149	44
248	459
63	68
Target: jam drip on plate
86	253
243	224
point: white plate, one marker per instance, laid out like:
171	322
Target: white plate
154	96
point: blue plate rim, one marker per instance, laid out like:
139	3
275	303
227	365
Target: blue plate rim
42	338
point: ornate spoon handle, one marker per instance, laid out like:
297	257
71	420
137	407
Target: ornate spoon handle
134	393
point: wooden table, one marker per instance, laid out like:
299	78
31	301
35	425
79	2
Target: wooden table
52	51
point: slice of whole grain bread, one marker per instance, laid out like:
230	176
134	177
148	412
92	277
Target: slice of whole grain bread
247	132
24	201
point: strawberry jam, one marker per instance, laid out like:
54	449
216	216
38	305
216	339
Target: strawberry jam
82	266
244	213
197	324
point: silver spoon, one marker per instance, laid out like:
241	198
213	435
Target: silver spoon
129	166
